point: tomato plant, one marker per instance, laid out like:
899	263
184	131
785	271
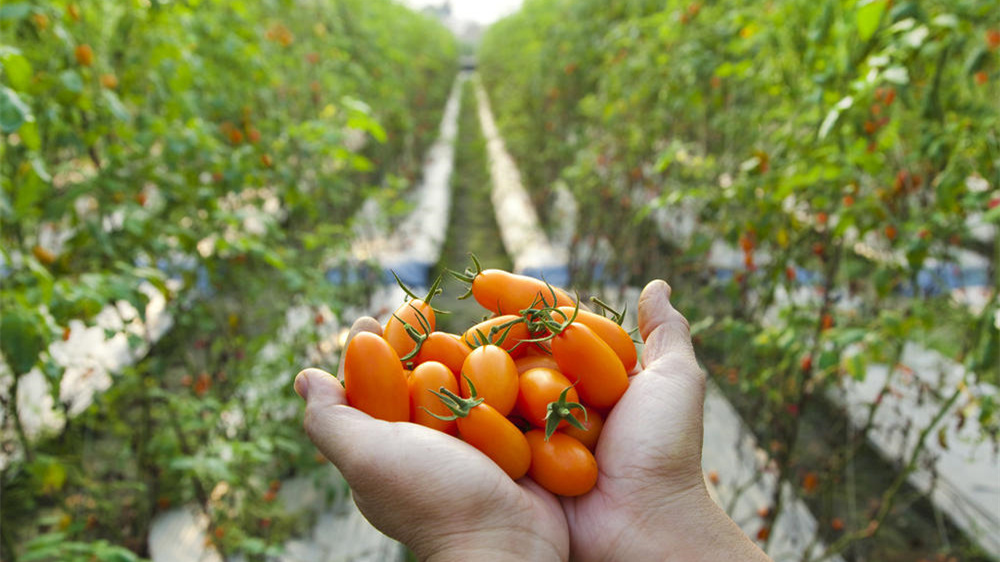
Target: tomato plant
816	177
177	185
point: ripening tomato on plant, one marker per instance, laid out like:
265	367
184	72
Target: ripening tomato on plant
561	464
504	292
486	429
490	370
425	378
84	55
374	380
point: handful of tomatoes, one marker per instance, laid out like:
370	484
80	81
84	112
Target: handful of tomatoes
529	386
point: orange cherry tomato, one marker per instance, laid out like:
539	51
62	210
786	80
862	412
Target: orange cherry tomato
489	431
444	347
509	293
374	380
610	331
486	429
427	376
507	327
593	423
561	464
591	364
539	387
532	361
494	376
410	312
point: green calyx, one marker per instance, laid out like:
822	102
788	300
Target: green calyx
559	410
459	407
481	338
616	316
416	335
543	319
434	290
468	276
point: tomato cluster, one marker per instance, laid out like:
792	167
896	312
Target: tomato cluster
529	386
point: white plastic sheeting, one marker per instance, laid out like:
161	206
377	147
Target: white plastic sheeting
420	237
523	238
960	471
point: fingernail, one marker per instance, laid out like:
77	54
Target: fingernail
302	385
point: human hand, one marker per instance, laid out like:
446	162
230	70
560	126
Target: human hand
650	501
446	500
438	495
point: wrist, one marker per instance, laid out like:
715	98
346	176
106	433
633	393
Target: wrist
691	527
490	546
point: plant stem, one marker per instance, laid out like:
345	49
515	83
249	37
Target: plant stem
29	454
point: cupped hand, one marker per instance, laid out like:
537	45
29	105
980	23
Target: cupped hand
650	501
435	493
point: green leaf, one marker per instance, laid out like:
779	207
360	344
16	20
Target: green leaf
834	114
976	60
869	17
30	138
13	111
115	105
827	359
15	11
21	339
16	69
856	367
71	81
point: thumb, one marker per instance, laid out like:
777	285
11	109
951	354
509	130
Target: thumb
664	330
326	405
319	389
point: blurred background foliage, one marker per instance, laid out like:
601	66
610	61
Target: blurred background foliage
210	155
818	180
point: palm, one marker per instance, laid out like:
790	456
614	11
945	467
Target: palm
453	489
649	454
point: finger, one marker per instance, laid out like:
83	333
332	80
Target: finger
328	420
319	388
363	324
664	330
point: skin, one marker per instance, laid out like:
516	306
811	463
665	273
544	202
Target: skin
447	501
